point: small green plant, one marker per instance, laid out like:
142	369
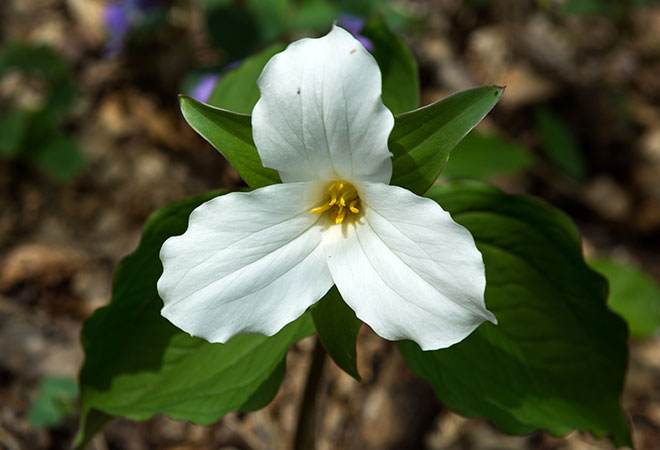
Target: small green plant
34	133
56	400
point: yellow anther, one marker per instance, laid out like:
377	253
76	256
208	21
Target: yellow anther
342	202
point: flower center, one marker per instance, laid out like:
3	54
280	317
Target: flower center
342	202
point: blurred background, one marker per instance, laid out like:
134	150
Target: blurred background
92	142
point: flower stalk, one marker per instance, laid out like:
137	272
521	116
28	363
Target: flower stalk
308	413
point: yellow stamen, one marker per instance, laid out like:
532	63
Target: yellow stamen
321	208
341	202
340	215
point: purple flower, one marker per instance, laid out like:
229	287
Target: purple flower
121	16
203	89
118	23
116	19
354	25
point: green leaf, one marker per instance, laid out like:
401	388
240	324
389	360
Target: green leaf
237	89
45	62
484	157
606	8
422	139
271	17
397	65
55	401
91	422
13	127
266	392
558	357
338	329
634	295
314	15
231	134
138	364
231	28
361	8
33	134
559	144
60	158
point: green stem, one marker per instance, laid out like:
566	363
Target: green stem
307	414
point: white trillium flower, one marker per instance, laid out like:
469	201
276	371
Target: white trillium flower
253	262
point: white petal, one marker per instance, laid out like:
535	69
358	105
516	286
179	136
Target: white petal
408	270
320	115
248	263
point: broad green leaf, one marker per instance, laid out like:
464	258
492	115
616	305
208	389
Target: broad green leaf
397	65
338	329
557	358
483	157
231	134
422	139
266	392
237	89
138	364
56	400
634	295
559	144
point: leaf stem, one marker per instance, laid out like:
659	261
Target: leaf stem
307	414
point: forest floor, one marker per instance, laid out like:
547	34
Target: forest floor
60	242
